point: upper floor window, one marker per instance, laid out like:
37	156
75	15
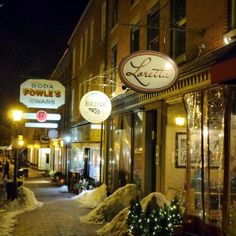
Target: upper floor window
134	38
103	21
102	77
232	11
153	31
178	16
73	61
91	38
81	51
85	45
115	4
113	67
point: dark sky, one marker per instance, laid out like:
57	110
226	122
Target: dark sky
33	37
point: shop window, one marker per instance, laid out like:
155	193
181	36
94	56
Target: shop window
134	38
178	14
176	151
153	31
119	163
138	148
206	112
232	167
115	4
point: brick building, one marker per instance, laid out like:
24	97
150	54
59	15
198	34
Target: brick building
143	141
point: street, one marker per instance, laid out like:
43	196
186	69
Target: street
60	214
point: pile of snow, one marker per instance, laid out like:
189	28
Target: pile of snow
118	225
25	201
92	198
63	189
112	205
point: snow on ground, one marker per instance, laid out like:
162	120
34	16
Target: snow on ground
112	205
118	226
92	198
25	201
63	189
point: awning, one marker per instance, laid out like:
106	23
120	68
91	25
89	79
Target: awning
223	71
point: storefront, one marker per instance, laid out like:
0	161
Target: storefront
181	141
85	152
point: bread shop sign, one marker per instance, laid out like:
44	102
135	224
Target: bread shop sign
148	71
40	93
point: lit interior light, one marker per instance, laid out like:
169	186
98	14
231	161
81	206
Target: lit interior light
21	142
205	132
95	126
179	121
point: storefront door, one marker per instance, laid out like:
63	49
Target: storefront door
152	150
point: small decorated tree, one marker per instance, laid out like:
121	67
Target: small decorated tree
154	220
135	217
175	212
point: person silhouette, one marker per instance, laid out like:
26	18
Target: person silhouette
6	170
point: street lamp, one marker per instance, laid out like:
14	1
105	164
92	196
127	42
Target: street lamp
16	116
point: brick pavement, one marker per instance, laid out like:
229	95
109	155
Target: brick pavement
59	216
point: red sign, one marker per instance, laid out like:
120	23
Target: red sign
41	116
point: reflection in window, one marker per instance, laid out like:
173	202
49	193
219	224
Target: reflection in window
232	174
206	111
138	150
119	164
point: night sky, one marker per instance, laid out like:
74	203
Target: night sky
33	38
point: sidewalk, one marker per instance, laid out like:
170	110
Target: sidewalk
59	216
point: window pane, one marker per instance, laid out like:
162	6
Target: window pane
153	29
138	150
232	213
134	39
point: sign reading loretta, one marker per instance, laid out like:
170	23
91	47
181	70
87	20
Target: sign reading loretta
148	71
40	93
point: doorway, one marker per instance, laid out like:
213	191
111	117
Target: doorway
150	153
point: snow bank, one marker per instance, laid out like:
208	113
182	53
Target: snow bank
63	189
92	198
25	201
118	226
113	204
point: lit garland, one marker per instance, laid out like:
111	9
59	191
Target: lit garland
154	220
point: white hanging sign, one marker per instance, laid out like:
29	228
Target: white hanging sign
41	93
95	106
148	71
